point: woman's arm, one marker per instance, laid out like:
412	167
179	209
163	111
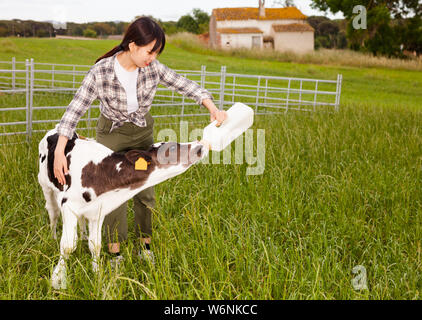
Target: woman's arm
81	102
186	87
191	89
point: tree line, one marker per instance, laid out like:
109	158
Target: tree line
30	28
393	26
328	33
197	22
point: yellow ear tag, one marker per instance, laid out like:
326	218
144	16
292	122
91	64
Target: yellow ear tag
141	164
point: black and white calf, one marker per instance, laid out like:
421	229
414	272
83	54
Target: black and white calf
99	181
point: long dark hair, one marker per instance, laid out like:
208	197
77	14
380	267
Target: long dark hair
142	31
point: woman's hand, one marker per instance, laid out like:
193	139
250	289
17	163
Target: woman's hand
60	167
219	115
60	161
215	113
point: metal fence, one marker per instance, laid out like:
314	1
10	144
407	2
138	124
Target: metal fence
33	95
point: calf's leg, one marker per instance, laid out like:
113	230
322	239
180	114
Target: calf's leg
52	209
67	246
94	241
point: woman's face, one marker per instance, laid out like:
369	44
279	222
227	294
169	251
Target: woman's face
142	56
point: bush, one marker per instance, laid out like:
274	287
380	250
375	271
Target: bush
42	33
3	32
322	41
90	33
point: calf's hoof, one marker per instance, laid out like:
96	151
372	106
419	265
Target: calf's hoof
59	277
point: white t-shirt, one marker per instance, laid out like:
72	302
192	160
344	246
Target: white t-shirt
128	80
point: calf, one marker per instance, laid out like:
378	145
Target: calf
99	181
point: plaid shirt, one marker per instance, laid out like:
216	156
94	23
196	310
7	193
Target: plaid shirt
101	82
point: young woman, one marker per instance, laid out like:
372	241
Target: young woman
125	80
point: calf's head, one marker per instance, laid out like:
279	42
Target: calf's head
165	160
173	157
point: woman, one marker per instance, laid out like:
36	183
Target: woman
125	80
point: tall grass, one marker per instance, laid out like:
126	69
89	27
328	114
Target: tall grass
338	190
335	57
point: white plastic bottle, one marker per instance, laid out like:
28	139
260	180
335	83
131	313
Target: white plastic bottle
239	119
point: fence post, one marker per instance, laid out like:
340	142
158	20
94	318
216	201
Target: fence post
316	93
89	120
266	90
27	97
52	76
234	86
183	100
73	76
203	71
13	73
288	96
300	95
222	86
31	100
257	94
338	91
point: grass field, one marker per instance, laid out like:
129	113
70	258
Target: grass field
339	190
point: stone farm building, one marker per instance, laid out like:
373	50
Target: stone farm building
284	29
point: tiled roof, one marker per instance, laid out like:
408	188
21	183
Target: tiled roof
253	13
292	27
239	30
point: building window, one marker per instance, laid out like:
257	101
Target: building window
256	42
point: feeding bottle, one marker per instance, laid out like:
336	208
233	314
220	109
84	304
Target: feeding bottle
239	119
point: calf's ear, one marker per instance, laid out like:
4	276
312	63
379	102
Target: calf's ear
134	155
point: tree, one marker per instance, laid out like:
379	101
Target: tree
188	24
196	23
341	40
78	31
330	30
200	16
3	31
410	33
121	27
170	27
202	19
102	28
326	32
90	33
315	21
398	8
380	37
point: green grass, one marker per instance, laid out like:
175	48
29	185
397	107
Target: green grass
339	190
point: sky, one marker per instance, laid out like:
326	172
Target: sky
82	11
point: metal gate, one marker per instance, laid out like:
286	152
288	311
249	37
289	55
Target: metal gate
33	96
